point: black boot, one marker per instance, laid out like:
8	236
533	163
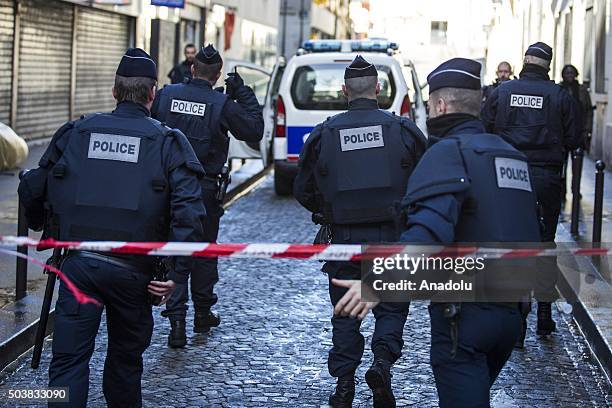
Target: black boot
177	337
204	320
343	396
378	378
524	309
546	325
520	342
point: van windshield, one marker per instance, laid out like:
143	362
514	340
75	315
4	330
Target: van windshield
319	87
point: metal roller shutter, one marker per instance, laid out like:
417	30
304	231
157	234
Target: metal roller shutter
7	25
102	39
44	67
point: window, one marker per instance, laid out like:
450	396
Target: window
438	32
319	87
257	80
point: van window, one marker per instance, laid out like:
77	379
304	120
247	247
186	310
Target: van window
319	87
256	79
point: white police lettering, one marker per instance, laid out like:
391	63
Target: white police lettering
361	138
186	107
526	101
512	173
114	147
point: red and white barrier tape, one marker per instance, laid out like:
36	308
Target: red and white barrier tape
332	252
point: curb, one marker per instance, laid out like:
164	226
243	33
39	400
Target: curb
599	347
22	341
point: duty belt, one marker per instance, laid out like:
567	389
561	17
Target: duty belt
133	266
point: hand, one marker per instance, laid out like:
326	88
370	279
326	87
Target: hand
233	82
220	89
161	289
351	304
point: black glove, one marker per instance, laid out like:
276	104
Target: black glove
220	89
233	82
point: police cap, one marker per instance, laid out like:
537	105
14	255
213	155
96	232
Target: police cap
540	50
455	73
360	68
209	55
137	63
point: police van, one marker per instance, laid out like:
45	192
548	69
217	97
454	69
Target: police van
311	91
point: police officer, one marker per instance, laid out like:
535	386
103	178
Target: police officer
470	186
182	71
504	73
205	116
539	118
118	176
353	167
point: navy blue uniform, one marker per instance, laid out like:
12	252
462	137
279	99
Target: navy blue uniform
458	193
180	72
118	176
351	170
205	116
539	118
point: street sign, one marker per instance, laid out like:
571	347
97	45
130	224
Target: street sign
169	3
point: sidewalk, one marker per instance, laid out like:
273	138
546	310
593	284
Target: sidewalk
589	277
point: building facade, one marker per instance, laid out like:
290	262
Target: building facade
58	57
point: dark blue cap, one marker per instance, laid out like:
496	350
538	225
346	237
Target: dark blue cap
455	73
209	55
540	50
360	68
137	63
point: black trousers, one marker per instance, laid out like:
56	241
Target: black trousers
548	188
130	325
205	274
348	342
486	337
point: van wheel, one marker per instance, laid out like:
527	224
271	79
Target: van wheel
283	185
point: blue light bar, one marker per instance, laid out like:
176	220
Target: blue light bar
374	45
322	45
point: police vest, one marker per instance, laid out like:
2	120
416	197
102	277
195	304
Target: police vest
499	205
500	202
529	116
196	111
363	167
109	183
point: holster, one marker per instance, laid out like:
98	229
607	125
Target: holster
224	179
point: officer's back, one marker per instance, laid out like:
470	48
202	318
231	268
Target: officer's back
539	118
118	176
205	114
534	114
352	169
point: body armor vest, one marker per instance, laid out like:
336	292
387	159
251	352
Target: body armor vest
110	183
196	111
363	167
529	116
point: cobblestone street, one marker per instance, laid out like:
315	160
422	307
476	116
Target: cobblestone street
271	347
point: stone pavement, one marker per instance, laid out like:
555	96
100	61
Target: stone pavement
271	347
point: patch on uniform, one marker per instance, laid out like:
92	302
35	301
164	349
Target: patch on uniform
114	147
361	138
512	173
188	108
526	101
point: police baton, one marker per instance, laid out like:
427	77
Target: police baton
41	330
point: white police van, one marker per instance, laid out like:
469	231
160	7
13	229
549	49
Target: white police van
311	91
